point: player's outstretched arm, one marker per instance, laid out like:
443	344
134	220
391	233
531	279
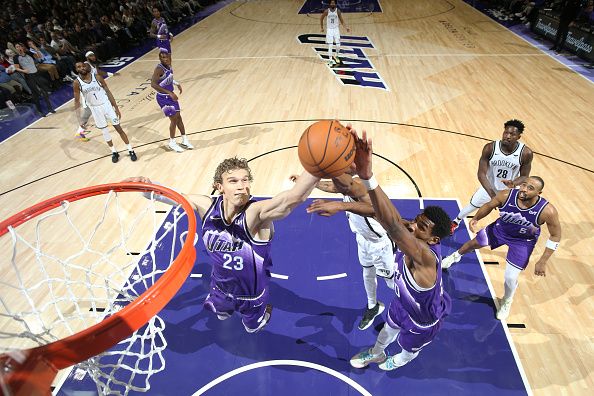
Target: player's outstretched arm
385	212
200	203
342	21
328	208
525	167
550	216
263	212
497	201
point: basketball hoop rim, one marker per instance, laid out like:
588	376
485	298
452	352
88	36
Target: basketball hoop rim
105	334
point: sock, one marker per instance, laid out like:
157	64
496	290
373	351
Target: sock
511	281
113	149
465	212
330	52
80	130
129	147
386	336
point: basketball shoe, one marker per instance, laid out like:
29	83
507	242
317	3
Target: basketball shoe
450	260
186	143
370	314
175	147
504	308
263	320
453	227
363	358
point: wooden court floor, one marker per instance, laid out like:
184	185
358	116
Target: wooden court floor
453	78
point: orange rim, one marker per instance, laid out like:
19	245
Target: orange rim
105	334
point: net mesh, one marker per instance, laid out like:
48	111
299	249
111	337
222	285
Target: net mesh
81	262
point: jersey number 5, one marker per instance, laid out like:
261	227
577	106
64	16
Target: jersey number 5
236	261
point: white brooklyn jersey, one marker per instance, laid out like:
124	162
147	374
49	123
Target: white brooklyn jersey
332	19
93	92
504	166
367	227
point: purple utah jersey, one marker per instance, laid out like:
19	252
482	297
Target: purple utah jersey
517	228
517	223
168	105
417	311
162	31
241	264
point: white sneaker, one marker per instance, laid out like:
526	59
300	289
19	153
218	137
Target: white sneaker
450	260
504	307
363	358
185	142
175	147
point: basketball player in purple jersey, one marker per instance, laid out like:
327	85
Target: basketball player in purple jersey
521	213
420	304
163	82
160	31
504	164
237	232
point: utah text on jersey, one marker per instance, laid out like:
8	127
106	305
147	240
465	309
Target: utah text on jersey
356	68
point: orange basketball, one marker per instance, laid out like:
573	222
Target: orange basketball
326	149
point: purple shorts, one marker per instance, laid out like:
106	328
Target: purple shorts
413	336
519	251
163	45
251	309
168	105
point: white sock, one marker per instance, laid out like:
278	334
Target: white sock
465	212
404	357
386	336
80	130
113	149
511	281
330	52
184	138
171	140
129	147
370	282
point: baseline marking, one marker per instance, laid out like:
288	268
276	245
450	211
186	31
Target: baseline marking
328	277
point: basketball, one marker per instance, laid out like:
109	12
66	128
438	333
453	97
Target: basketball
326	149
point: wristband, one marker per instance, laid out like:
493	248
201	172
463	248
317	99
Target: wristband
370	184
175	83
159	198
552	245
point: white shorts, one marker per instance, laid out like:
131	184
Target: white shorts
378	254
480	197
103	115
333	35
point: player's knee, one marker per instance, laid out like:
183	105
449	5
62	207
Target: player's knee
106	134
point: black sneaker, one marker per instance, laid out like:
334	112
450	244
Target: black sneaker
115	157
133	156
370	314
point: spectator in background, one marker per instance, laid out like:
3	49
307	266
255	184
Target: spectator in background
45	63
569	13
8	83
26	65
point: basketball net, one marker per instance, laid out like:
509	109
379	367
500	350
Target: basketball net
78	265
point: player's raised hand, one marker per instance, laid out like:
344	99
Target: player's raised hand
137	179
323	207
473	225
363	154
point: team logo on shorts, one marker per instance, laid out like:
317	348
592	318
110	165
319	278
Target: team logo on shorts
355	67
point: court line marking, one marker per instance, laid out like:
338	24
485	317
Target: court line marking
329	277
268	363
470	54
195	275
503	322
278	276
